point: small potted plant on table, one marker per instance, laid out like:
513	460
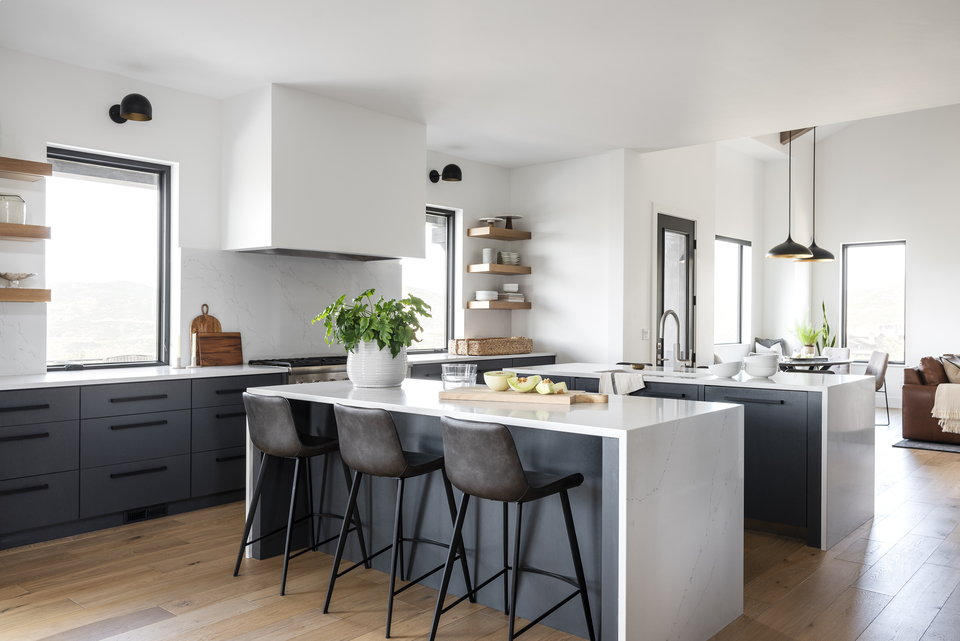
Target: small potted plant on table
807	336
366	327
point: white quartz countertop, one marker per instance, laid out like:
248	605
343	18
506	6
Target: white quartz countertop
443	357
781	380
620	416
129	375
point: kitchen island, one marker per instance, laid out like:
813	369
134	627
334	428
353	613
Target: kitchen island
809	441
658	517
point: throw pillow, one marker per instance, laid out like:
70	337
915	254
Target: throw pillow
952	370
775	348
932	371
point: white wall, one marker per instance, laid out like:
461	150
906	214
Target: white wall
895	178
483	192
740	214
46	102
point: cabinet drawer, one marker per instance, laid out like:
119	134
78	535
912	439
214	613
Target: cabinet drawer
44	448
116	488
429	371
218	471
209	392
534	361
22	407
493	365
37	501
122	439
588	384
215	428
669	390
134	398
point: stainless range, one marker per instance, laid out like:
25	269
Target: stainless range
315	369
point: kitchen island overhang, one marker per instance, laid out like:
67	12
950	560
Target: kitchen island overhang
659	516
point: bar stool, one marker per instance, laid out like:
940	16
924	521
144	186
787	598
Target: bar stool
482	461
274	433
369	444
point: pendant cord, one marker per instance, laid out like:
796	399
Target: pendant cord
814	185
790	187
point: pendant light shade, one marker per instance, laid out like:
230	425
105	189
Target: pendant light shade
819	254
789	248
451	173
134	106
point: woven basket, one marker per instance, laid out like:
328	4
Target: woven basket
490	346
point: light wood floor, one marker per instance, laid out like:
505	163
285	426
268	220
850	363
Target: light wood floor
895	578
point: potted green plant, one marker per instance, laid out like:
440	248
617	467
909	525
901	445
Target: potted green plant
366	327
807	336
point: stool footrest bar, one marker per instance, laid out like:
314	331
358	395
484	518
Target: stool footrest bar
475	590
560	577
364	561
545	615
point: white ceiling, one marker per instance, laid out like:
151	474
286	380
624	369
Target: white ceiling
519	82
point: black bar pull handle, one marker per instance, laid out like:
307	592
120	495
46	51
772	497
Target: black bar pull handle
231	415
24	437
132	425
231	458
149	470
21	490
232	391
130	399
668	395
25	408
765	401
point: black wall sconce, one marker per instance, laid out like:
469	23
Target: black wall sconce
132	107
451	173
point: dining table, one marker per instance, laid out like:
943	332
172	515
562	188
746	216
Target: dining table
816	363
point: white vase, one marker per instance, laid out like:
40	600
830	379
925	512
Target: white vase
369	366
807	351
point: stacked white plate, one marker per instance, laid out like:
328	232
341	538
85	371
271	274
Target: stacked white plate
487	295
761	365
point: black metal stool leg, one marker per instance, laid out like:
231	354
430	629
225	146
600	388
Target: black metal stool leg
577	561
356	519
516	573
399	537
506	559
323	487
251	513
342	541
395	553
455	543
309	480
293	507
451	502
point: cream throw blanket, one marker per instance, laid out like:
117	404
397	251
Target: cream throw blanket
946	407
622	384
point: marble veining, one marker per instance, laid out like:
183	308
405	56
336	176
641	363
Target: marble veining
270	300
23	333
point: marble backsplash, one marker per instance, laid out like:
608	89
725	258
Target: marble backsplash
271	300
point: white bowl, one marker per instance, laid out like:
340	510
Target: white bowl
762	359
757	370
511	287
725	370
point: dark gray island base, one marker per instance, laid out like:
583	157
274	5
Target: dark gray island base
657	517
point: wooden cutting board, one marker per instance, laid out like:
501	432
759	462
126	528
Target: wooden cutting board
219	348
486	394
202	324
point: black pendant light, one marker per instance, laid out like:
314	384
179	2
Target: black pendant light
789	248
820	255
134	106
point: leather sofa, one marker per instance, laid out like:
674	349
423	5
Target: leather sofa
919	390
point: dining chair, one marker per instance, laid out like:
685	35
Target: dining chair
877	366
837	352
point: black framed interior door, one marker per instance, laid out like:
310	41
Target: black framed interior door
676	281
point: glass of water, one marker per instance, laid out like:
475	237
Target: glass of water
459	375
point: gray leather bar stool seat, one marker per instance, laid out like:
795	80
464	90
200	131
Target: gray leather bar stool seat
482	461
370	444
273	432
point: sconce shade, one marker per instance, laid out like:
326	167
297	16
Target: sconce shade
451	173
134	106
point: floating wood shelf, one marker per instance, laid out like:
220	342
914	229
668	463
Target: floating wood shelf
491	268
23	233
498	233
27	170
21	295
496	304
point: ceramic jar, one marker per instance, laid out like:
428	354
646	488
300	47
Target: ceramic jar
369	366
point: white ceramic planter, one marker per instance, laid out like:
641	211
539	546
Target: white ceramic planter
370	366
808	350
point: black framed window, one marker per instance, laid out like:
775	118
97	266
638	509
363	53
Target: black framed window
731	289
108	263
874	299
432	279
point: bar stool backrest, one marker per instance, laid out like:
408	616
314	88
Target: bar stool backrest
369	442
271	425
481	460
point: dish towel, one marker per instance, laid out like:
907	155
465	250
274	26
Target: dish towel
621	384
946	407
